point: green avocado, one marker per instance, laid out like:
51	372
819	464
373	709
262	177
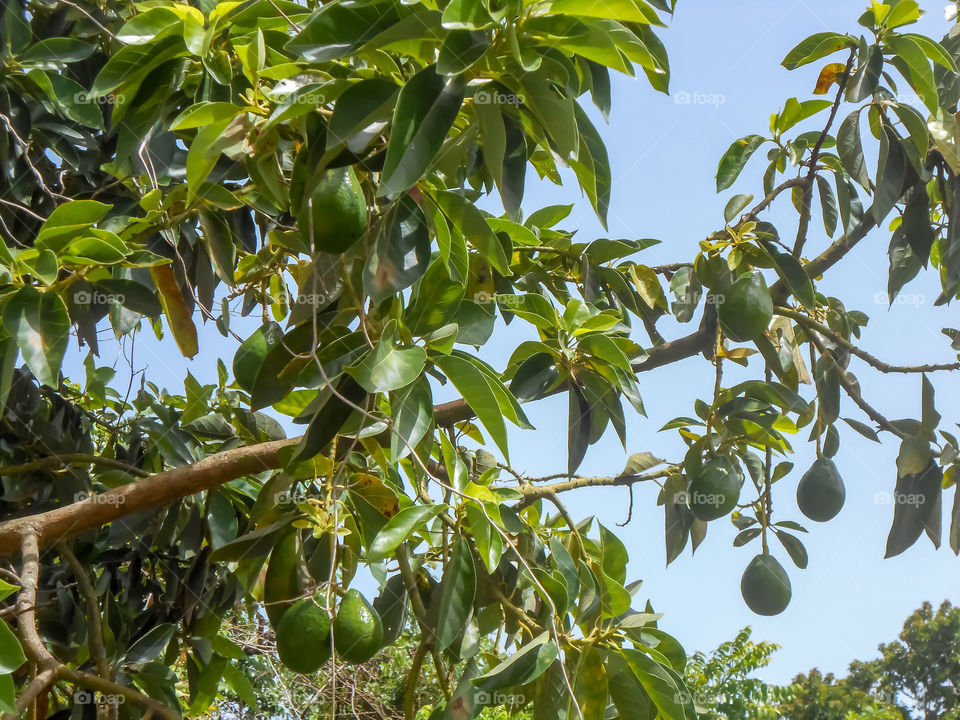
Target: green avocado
303	637
357	629
715	491
334	217
820	492
746	309
765	586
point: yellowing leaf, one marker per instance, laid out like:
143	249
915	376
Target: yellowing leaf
828	76
175	308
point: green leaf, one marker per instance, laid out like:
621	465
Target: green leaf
368	101
554	110
40	324
920	73
402	252
11	653
472	385
457	590
524	666
850	149
425	111
412	414
251	354
915	498
795	111
465	15
132	63
204	113
337	29
660	685
828	204
890	174
735	205
865	430
388	367
399	528
151	644
621	10
465	217
815	47
795	277
8	695
488	541
590	685
735	158
794	548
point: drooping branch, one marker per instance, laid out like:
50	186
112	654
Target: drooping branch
853	391
51	669
871	360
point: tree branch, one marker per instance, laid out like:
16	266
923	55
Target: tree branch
50	668
53	461
874	362
854	392
95	630
71	520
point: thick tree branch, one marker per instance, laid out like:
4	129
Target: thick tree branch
57	461
71	520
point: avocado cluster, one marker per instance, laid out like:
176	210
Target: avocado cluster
303	634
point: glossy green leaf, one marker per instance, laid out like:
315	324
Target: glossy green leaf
457	590
522	667
425	111
399	528
40	324
735	158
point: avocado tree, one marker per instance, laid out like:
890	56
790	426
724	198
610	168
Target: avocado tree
304	180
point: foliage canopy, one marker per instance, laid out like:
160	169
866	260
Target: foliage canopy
171	165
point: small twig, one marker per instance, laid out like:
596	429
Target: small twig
629	509
54	461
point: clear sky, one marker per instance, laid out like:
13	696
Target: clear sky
664	152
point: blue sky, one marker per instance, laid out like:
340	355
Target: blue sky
725	57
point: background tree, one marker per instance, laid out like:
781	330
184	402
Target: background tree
169	164
722	685
917	675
